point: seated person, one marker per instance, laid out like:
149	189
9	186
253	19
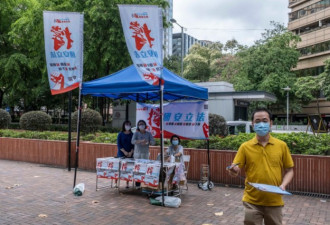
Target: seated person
175	149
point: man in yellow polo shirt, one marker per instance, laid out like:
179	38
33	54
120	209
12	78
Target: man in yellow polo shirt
265	160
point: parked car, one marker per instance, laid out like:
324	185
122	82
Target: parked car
240	126
236	127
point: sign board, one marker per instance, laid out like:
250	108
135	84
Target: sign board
188	120
63	34
317	124
143	30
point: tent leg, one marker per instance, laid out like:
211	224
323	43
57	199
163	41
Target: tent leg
78	136
161	87
69	131
208	162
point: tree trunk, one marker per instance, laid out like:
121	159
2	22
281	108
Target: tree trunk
1	97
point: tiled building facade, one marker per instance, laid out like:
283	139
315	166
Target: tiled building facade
310	19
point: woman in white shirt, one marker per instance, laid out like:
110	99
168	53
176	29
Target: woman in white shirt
141	140
175	149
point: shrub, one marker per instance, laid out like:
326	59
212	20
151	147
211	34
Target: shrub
5	119
14	126
90	121
217	125
35	120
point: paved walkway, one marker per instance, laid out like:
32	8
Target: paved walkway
36	194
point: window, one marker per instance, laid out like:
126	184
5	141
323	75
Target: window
309	10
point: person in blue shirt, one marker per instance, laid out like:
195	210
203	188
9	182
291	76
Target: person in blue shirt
125	146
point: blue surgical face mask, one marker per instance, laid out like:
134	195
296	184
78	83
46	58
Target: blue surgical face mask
175	142
262	128
142	127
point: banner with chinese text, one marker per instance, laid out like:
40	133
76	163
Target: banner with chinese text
63	33
188	120
143	30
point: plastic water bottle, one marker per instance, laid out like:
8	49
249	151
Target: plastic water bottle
79	189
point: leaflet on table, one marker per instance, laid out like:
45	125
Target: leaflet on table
109	163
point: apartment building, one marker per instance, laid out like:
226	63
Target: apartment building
188	41
167	41
310	19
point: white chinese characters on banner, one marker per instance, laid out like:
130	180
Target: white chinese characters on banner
189	120
143	30
63	34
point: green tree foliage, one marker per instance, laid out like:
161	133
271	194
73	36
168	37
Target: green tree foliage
5	119
308	88
23	69
90	120
196	68
35	120
197	62
173	63
326	80
266	66
23	75
225	68
232	46
217	125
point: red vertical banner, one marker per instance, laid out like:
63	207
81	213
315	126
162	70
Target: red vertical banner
143	30
63	34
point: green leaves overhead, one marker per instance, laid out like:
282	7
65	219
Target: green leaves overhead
23	77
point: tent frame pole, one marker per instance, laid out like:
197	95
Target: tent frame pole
208	162
161	90
69	130
78	136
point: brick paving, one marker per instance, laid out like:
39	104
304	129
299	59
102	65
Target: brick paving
37	194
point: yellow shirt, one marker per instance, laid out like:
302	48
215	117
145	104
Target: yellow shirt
263	165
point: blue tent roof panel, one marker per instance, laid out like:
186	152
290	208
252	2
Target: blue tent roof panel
127	84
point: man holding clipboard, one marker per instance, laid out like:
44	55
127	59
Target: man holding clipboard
266	160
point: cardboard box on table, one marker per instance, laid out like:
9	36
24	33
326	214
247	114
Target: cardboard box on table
126	169
152	174
153	180
107	168
140	169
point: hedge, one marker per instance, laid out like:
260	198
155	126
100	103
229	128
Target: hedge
299	143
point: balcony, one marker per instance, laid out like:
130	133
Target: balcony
293	3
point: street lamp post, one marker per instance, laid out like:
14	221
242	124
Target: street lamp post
287	89
182	49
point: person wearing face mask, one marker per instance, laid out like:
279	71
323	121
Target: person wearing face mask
265	160
141	140
125	147
175	149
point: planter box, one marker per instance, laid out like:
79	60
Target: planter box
311	172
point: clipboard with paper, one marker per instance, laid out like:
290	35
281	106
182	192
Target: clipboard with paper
269	188
262	187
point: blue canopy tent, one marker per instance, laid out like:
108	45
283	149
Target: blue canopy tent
127	84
